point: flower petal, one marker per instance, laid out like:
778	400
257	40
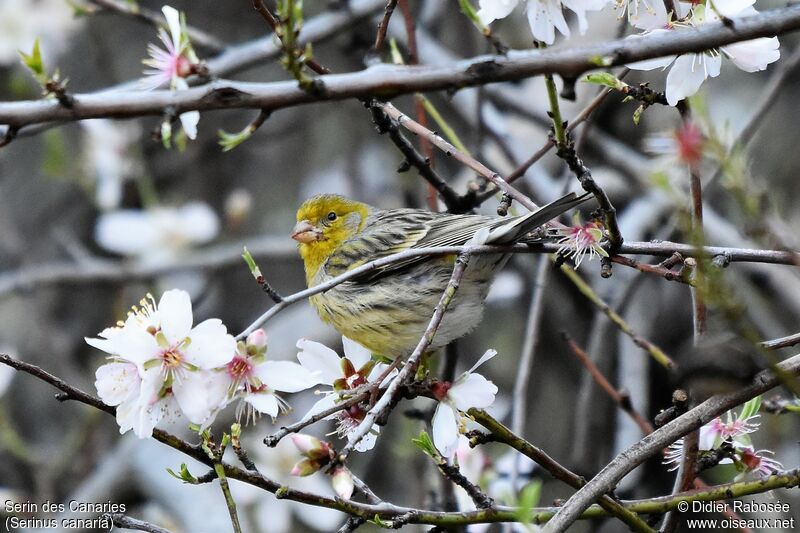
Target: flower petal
319	358
174	24
473	391
264	402
755	55
445	429
117	382
199	396
211	346
175	311
189	121
198	222
491	10
488	354
127	232
543	17
285	376
685	77
357	354
136	345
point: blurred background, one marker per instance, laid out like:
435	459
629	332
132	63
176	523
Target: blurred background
93	215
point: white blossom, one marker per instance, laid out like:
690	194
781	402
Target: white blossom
256	380
687	72
156	234
467	391
355	369
172	66
174	364
544	16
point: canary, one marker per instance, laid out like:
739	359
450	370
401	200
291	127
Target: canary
388	309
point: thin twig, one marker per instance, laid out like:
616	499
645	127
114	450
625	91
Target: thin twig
651	445
519	410
585	289
198	36
503	434
451	151
452	200
622	400
783	342
453	473
384	25
275	438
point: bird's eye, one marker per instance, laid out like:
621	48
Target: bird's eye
331	216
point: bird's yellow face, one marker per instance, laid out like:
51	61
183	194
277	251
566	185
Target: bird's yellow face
324	222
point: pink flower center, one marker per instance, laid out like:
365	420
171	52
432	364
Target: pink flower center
440	388
172	358
240	368
182	67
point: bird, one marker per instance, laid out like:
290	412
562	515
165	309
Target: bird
388	309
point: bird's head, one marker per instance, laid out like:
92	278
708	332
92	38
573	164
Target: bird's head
324	222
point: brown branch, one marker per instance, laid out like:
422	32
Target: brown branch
154	18
622	400
651	445
452	200
384	25
782	342
387	81
658	270
451	151
502	434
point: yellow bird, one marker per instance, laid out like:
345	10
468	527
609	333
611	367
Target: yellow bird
387	310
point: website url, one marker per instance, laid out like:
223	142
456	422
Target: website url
756	524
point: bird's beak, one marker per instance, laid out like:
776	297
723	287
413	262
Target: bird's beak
305	232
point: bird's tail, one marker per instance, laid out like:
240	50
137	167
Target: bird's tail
518	227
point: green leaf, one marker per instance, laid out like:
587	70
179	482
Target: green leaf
750	408
528	499
251	263
229	141
34	62
425	444
184	475
607	79
380	523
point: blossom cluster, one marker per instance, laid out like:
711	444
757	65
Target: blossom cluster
687	71
161	366
734	433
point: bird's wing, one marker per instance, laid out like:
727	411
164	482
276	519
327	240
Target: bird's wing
392	231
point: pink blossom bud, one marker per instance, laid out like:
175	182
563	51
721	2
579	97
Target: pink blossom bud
342	482
308	445
258	339
306	467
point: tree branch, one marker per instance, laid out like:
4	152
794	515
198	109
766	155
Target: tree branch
651	445
389	81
